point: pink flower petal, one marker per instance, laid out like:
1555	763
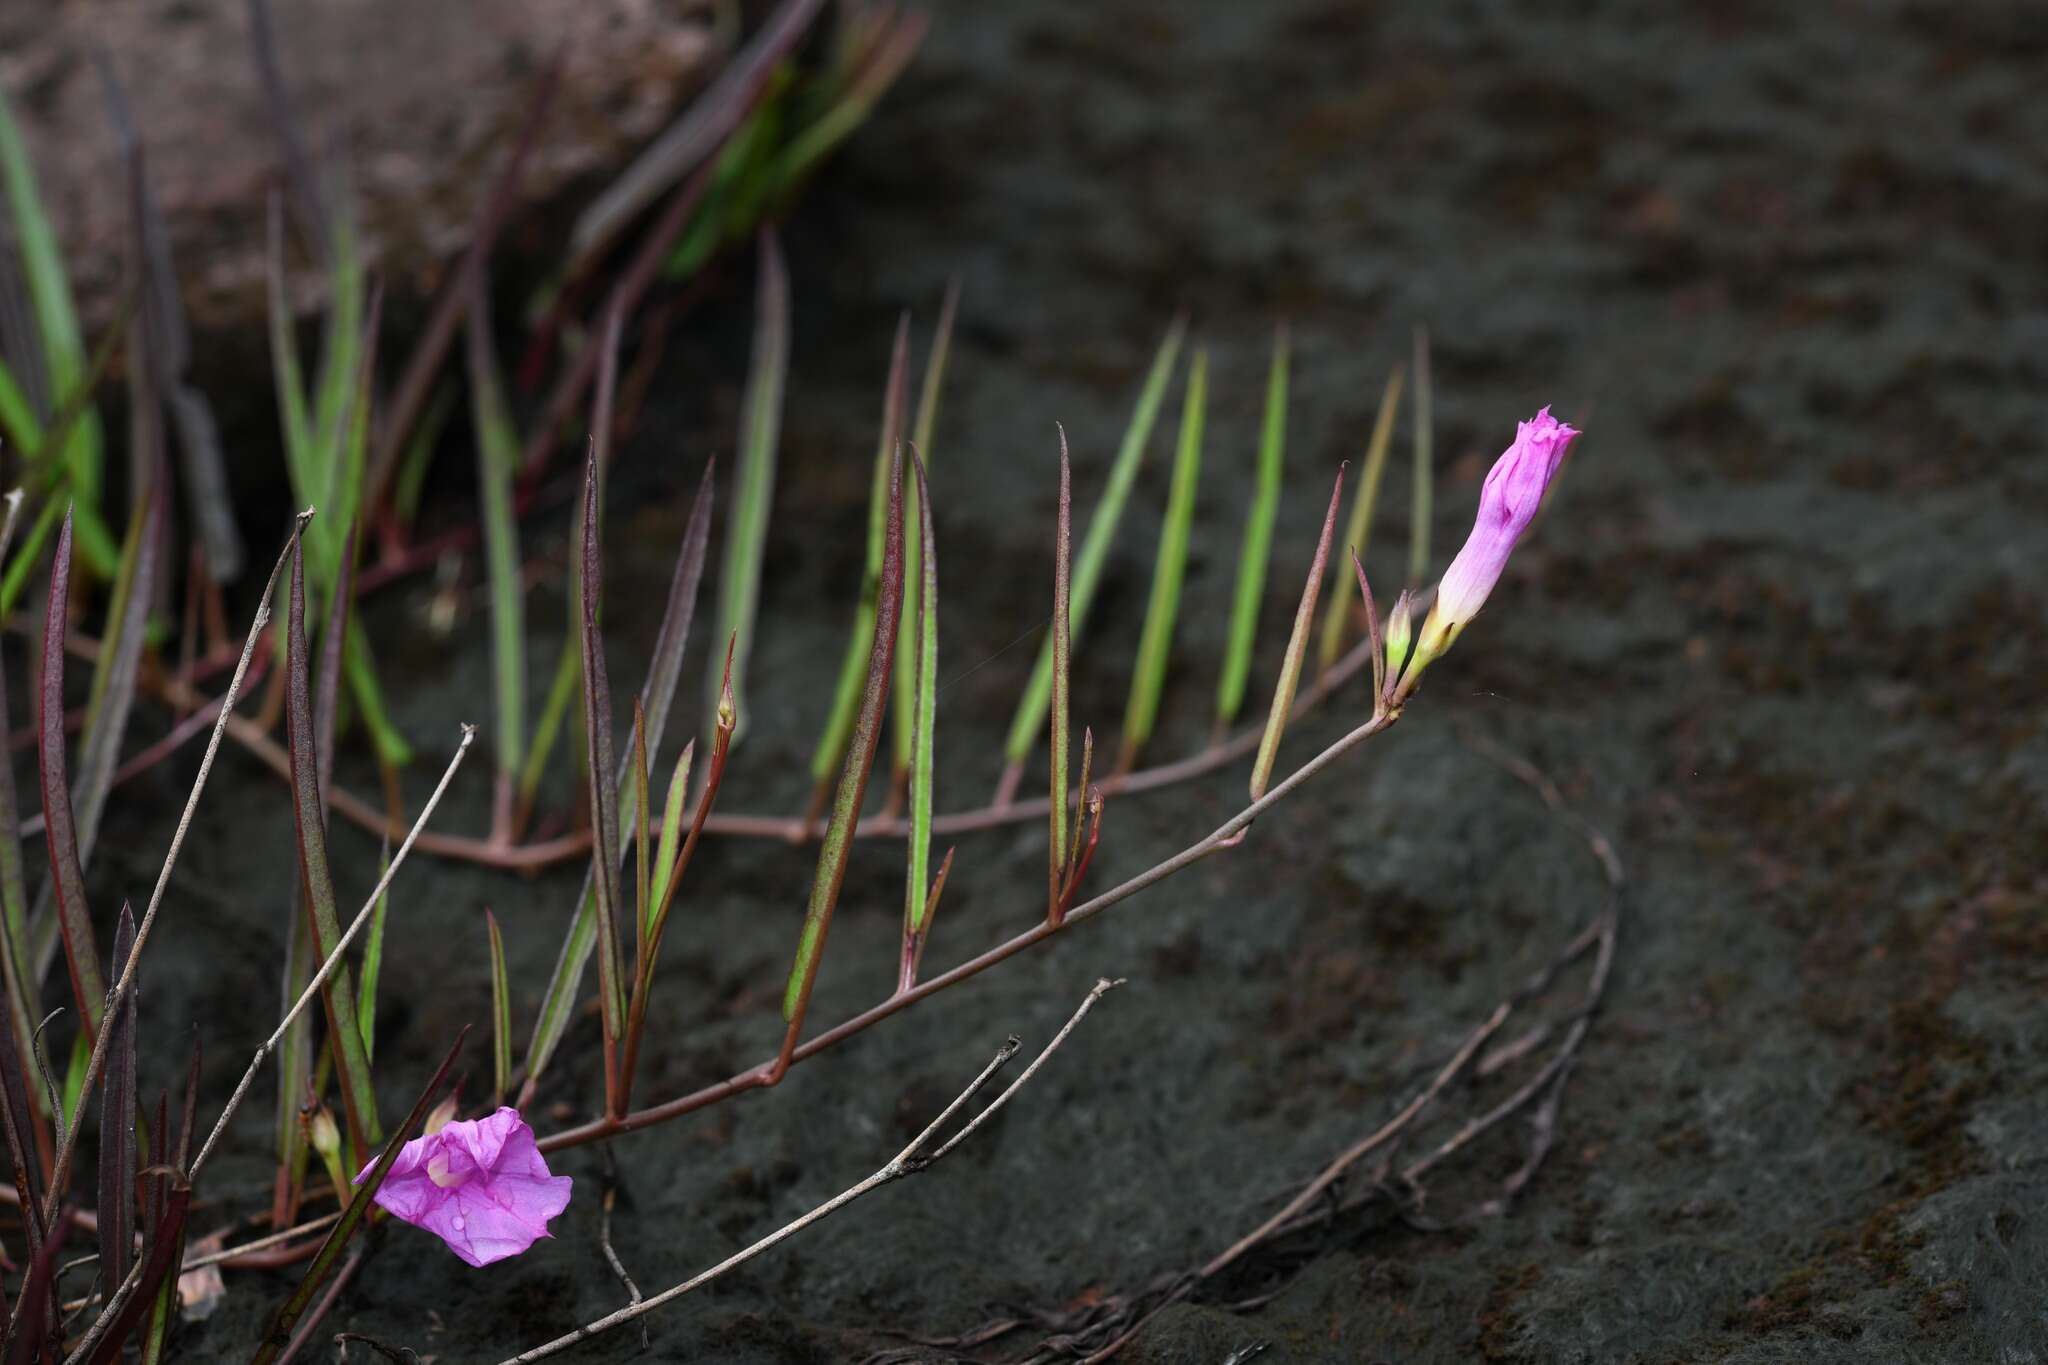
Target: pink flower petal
480	1185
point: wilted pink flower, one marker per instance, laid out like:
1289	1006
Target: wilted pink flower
1507	504
480	1185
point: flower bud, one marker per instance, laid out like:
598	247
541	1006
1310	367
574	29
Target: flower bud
1400	634
1513	491
325	1137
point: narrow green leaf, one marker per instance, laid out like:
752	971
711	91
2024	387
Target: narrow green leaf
913	573
279	1335
497	465
924	717
673	811
15	953
1425	464
853	780
1358	530
373	960
501	1013
1094	557
1257	549
548	727
64	357
419	456
289	380
351	1061
1155	642
754	492
643	905
1297	647
831	751
18	424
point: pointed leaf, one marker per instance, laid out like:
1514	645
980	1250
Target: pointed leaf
1155	642
1358	530
913	570
1257	550
1094	556
67	873
1297	646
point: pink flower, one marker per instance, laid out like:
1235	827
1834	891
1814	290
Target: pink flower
1507	504
480	1185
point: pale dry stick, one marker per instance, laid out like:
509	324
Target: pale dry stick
312	990
68	1143
907	1162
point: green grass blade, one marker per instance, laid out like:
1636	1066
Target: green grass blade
279	1334
501	1013
547	727
15	953
853	780
1358	529
1425	464
760	435
1297	647
913	500
673	813
831	750
924	716
1257	551
351	1061
1155	642
373	961
497	457
1094	557
18	424
117	1162
299	456
64	357
419	456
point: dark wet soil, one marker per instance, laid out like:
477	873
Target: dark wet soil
1781	635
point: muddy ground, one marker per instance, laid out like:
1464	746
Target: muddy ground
1780	635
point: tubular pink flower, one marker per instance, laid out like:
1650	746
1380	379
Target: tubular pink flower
1507	504
480	1185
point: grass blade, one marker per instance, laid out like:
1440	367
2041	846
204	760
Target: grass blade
67	871
1061	645
373	960
17	1121
604	797
1094	556
671	833
657	696
117	1124
1297	646
63	347
754	492
831	750
279	1334
16	955
1358	530
907	679
643	905
501	1014
1155	643
1257	550
497	455
853	780
286	374
1425	466
351	1061
924	717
